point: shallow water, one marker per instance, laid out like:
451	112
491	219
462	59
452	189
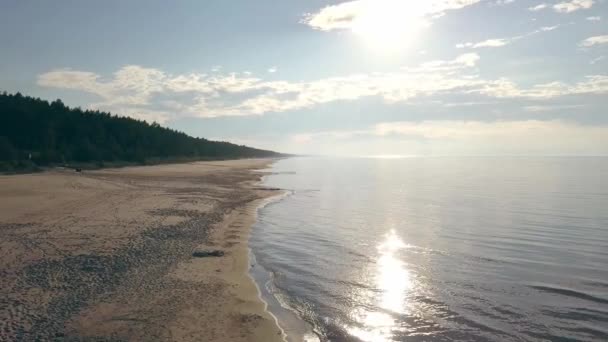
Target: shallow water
440	249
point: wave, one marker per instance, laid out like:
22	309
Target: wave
569	293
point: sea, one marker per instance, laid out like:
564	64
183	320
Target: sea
436	249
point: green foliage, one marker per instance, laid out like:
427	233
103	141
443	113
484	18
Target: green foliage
35	132
7	151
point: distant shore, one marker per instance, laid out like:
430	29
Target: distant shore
108	254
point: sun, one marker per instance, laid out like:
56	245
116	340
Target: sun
389	25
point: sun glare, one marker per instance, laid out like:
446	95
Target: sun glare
389	25
394	281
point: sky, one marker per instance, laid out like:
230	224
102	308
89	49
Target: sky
351	78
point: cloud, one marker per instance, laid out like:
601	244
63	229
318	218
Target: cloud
597	60
538	7
485	43
503	2
574	5
468	137
597	40
346	14
549	108
564	7
594	18
498	42
69	79
131	85
454	130
135	90
132	89
335	17
545	29
273	70
503	88
492	43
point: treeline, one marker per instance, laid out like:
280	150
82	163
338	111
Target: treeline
34	132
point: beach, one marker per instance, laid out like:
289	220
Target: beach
108	254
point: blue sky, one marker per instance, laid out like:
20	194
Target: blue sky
362	77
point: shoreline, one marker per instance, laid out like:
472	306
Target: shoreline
107	254
294	327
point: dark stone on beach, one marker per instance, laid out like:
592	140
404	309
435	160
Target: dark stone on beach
205	254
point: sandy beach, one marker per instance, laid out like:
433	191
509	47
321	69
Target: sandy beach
107	254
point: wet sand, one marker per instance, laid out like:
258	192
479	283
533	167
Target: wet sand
107	255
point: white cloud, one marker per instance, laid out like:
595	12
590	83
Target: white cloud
498	42
549	108
467	59
503	88
346	14
503	2
135	90
131	85
573	5
597	40
565	6
273	70
452	129
597	60
473	137
486	43
491	43
69	79
335	17
547	28
594	18
538	7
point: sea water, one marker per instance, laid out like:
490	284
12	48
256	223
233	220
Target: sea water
438	249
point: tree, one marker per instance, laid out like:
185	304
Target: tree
56	134
7	151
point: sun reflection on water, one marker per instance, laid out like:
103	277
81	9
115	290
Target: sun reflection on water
393	279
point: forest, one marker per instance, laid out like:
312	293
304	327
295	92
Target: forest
35	134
